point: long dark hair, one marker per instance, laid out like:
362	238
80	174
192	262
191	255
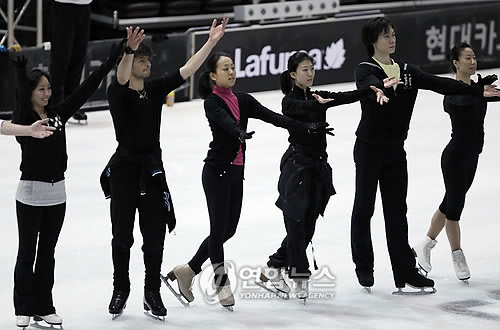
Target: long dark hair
286	80
24	106
456	51
371	31
205	84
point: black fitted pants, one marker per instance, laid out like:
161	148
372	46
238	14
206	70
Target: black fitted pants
224	194
292	255
39	228
125	200
384	166
69	39
458	170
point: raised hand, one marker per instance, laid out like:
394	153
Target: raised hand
39	130
381	98
491	91
21	62
321	100
217	31
243	136
134	37
391	81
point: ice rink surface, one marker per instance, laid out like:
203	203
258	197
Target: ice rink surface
83	256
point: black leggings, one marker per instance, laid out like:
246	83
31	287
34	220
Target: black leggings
33	289
224	193
458	173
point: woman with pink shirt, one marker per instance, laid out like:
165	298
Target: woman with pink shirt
227	113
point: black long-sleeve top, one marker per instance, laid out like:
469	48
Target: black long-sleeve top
137	119
225	129
389	123
467	122
301	105
46	159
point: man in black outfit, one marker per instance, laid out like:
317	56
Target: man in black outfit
134	177
69	40
380	156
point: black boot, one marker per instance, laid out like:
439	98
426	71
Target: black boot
415	280
153	303
118	301
365	278
79	115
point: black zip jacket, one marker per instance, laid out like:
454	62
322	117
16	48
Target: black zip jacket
46	159
301	105
225	129
389	123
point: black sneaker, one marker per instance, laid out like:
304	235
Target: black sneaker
152	302
79	115
415	280
118	301
365	279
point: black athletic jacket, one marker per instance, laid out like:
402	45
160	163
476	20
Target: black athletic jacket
225	129
389	123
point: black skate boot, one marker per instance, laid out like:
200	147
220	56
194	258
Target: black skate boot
366	280
414	280
80	117
118	302
154	305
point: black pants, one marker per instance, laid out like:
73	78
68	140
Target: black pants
292	252
224	194
383	165
33	288
458	173
125	199
69	39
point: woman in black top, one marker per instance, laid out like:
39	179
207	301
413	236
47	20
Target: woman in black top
41	195
305	184
227	113
459	160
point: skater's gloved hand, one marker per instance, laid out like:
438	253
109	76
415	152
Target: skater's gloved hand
488	80
115	51
21	62
318	128
243	136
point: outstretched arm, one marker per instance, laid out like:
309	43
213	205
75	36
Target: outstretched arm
194	63
37	130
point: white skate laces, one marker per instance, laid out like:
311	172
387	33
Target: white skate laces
423	252
460	265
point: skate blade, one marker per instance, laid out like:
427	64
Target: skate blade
465	282
280	294
45	325
420	292
177	295
115	316
156	317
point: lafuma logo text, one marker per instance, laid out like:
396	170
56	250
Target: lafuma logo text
267	62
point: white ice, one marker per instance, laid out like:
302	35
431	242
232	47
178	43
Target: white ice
83	257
